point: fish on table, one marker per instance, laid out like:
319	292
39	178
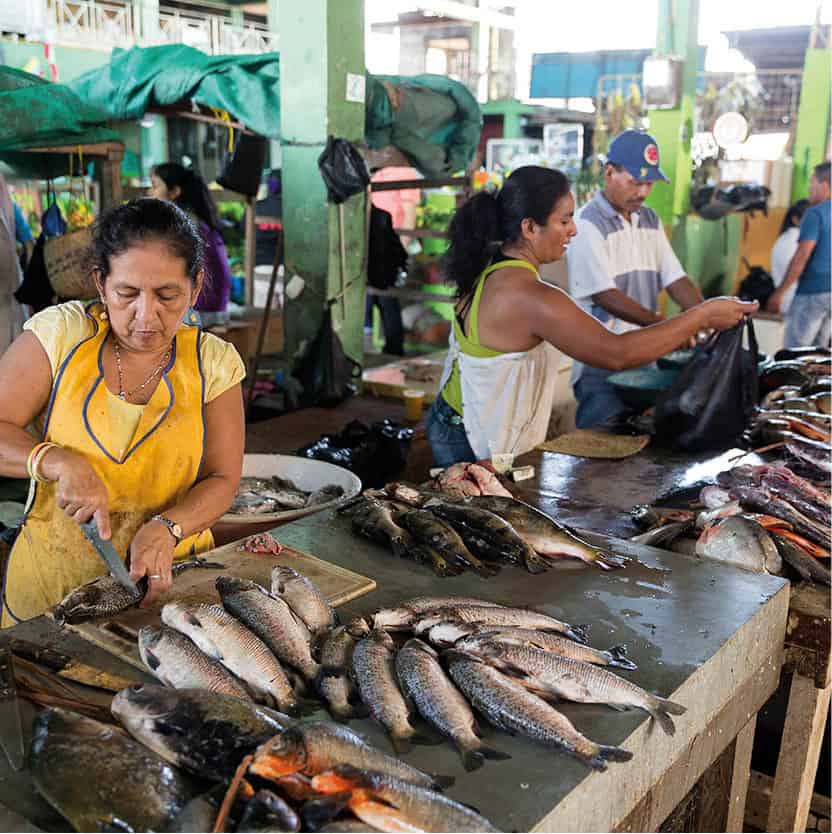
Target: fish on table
334	682
304	598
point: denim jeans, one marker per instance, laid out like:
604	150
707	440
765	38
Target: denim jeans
808	321
446	435
597	401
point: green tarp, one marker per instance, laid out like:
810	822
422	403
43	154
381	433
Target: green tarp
436	121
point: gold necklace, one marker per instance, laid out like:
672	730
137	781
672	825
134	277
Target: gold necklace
156	371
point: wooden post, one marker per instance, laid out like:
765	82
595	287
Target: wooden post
111	177
797	763
740	776
249	244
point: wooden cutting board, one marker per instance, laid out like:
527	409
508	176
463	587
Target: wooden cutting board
118	635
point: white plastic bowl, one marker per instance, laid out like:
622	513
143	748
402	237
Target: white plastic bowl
306	474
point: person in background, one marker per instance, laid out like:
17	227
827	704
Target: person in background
183	186
23	236
784	248
619	262
11	312
808	319
271	207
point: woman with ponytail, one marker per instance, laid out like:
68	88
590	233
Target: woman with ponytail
183	186
498	383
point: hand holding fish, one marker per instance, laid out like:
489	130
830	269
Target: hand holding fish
726	312
79	492
151	555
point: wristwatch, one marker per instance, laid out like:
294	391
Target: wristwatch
175	529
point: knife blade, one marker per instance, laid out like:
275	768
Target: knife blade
111	558
68	667
11	730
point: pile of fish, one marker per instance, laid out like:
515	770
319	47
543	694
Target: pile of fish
260	496
796	409
759	518
184	746
476	532
466	479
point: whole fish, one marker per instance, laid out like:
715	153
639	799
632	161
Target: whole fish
547	642
403	617
223	638
763	501
177	662
304	598
488	535
373	519
782	477
330	492
665	535
647	517
496	617
810	451
311	748
266	811
806	565
425	527
390	804
421	552
511	707
742	543
551	676
272	620
375	676
206	733
334	681
106	596
804	544
424	681
543	533
100	779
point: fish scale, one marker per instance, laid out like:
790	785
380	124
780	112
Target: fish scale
334	683
304	598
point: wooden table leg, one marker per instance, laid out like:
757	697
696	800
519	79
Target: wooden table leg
797	764
741	773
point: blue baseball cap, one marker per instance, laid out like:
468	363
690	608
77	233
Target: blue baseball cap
638	153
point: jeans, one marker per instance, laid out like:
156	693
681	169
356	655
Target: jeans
391	321
597	401
808	321
446	435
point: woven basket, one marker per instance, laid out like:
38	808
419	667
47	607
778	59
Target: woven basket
65	258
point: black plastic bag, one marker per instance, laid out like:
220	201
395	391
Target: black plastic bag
244	168
326	373
377	453
344	170
758	285
712	400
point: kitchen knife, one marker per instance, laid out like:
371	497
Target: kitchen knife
111	558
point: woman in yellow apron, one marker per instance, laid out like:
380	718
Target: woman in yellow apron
140	415
497	386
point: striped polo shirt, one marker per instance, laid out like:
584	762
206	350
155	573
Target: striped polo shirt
610	252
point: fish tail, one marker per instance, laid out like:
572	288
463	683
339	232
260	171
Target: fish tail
440	781
474	754
609	754
618	655
535	563
661	710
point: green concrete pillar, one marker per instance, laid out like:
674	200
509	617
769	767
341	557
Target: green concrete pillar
321	50
813	119
673	129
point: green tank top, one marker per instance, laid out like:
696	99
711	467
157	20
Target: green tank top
452	392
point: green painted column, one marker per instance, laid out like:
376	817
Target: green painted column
813	119
673	129
321	43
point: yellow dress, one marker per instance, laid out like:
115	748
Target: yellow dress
148	456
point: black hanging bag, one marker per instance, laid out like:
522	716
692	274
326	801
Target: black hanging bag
244	168
712	400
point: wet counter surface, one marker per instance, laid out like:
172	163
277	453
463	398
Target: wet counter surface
705	635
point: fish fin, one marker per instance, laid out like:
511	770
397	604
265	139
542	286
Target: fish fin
400	744
609	562
671	706
381	816
152	660
619	657
440	781
659	709
473	758
578	633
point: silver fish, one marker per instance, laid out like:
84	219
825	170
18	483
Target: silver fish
740	542
311	748
335	655
497	617
177	662
548	675
470	637
206	733
223	638
510	706
423	680
375	676
304	598
272	620
327	493
403	617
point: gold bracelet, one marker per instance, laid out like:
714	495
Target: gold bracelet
38	457
32	452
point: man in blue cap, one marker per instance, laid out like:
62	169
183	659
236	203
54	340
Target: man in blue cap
619	262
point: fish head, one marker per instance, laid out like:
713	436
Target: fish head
176	615
358	627
281	576
425	624
282	755
383	638
149	639
227	585
104	595
414	644
447	633
142	702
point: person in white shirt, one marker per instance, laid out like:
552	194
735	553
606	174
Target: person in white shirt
619	262
784	248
